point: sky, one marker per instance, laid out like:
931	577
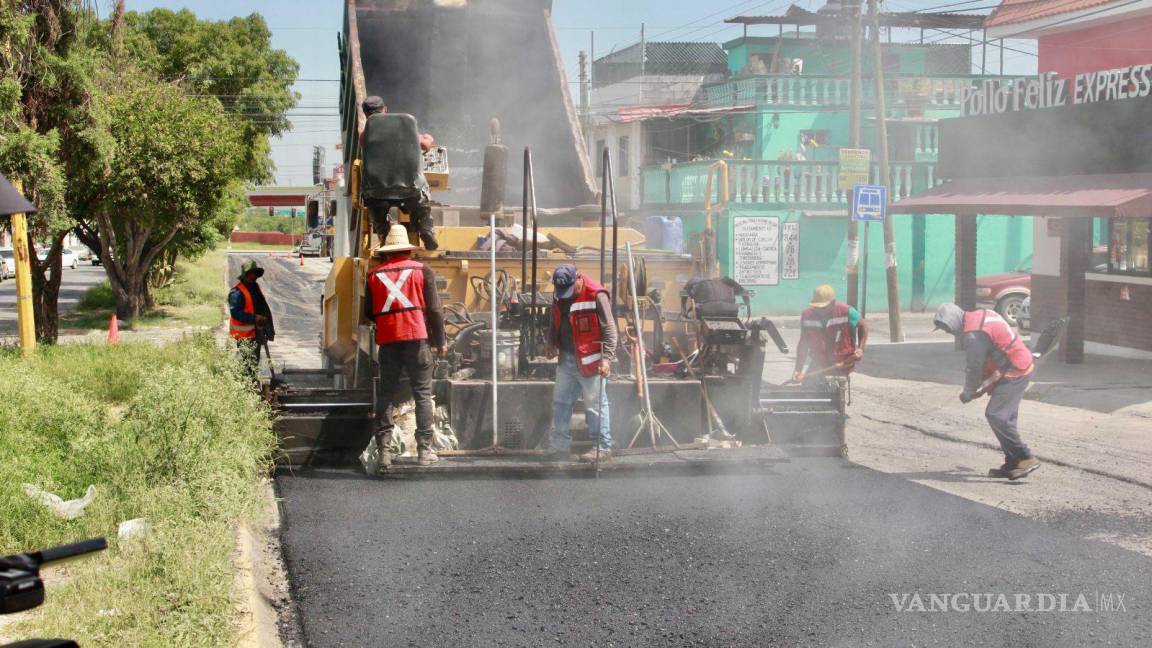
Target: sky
307	30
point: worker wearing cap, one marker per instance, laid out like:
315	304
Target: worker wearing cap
420	214
832	337
250	318
999	359
402	301
582	330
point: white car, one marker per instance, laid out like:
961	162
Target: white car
7	263
68	258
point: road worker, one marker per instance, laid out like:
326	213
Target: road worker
402	301
998	364
582	330
250	322
393	170
832	337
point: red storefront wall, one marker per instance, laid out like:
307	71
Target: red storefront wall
1104	47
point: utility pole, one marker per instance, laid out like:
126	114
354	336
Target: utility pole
585	98
26	320
894	325
852	265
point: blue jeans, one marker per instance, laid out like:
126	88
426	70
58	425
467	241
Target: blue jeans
570	385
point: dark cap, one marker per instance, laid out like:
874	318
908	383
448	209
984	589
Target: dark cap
373	105
564	279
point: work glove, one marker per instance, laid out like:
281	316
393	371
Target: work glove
966	398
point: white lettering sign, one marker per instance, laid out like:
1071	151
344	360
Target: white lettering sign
756	251
1047	90
790	251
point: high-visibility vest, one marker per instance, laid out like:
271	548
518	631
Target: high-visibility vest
584	318
397	288
1010	354
243	330
828	332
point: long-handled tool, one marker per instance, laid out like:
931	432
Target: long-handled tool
1044	345
647	417
818	372
713	415
273	381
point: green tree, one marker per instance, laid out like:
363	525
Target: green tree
45	107
172	176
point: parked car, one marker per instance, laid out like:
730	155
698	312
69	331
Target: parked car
1024	316
1006	292
68	258
7	264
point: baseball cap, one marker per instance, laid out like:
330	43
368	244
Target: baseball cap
564	279
822	296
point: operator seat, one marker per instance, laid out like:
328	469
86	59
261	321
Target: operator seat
393	163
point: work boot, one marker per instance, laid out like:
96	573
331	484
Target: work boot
558	455
1024	468
383	446
425	455
592	456
428	237
1003	470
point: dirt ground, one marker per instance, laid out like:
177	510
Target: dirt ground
1090	424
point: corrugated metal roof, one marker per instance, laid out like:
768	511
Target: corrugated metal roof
670	53
1127	195
1011	12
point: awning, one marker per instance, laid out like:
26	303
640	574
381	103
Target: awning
1127	195
637	113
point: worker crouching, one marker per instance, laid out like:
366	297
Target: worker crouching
998	364
582	331
402	301
832	337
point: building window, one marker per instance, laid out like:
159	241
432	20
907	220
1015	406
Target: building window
622	157
599	153
1128	246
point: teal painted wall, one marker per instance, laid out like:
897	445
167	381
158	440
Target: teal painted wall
1004	242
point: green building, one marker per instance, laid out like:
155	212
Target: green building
778	119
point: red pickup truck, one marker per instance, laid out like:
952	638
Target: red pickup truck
1006	292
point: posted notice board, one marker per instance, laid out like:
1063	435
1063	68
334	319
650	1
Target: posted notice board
756	251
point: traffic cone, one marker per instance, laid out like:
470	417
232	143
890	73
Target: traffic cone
301	259
114	331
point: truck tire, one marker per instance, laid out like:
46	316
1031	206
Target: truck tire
1009	307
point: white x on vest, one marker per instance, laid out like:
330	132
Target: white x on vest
395	294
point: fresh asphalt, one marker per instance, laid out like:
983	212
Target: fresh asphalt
806	553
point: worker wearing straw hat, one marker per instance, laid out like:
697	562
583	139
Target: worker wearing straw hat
832	337
402	301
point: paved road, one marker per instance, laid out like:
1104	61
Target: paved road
808	553
72	287
294	294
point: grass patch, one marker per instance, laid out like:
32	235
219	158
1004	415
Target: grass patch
193	300
168	433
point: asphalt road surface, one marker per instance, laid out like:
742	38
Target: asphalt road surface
72	287
815	552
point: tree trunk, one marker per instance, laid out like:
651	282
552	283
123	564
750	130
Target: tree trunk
46	277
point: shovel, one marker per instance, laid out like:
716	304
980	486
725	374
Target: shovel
1044	345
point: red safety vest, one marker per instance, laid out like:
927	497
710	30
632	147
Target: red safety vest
242	330
397	288
829	336
584	318
1011	355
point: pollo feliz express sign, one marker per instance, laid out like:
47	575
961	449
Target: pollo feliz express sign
1049	91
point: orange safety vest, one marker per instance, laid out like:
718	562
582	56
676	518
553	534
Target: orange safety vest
1010	355
243	330
829	335
397	288
583	316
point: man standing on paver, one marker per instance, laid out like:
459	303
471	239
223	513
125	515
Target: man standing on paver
402	301
250	318
832	337
582	330
999	359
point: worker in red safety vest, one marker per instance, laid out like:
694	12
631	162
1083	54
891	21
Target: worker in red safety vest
582	330
402	301
832	337
1000	365
250	318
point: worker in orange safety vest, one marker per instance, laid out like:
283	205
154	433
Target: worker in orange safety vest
250	318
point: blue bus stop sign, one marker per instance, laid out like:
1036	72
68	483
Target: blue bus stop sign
869	203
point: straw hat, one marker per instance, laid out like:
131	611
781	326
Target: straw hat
822	296
396	241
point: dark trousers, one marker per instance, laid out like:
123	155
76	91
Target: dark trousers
420	214
414	358
1002	412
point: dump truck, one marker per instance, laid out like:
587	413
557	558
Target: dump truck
689	380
